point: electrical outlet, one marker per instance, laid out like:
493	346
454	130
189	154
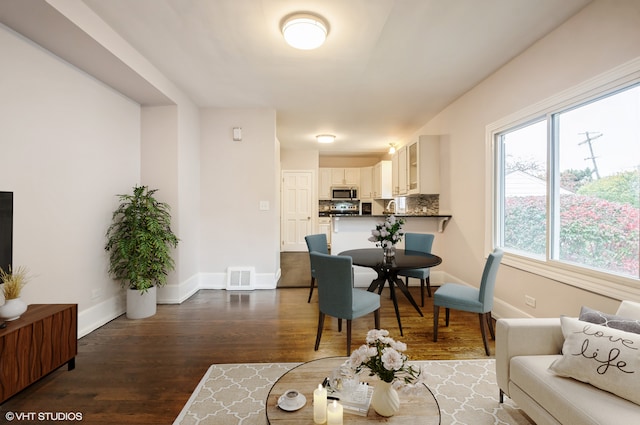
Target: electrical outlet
530	301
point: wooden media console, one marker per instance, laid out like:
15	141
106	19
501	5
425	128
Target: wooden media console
44	338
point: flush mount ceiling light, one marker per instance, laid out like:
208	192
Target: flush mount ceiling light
304	31
325	138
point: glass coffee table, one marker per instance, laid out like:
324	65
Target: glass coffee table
415	409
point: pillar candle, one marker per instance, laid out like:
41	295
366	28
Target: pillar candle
334	413
320	405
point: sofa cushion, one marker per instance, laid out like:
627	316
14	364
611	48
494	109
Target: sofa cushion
629	309
604	357
609	320
567	400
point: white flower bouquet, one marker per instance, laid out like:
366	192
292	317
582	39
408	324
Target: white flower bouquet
384	357
388	233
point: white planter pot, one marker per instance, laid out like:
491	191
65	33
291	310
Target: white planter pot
12	309
141	305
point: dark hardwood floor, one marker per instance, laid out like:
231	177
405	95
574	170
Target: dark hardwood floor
143	371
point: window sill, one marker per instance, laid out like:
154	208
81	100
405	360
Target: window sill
609	285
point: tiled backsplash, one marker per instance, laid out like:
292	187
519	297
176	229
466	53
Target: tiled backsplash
412	205
422	204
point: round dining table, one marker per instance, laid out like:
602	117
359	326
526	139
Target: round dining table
388	268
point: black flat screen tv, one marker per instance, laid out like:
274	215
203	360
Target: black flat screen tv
6	230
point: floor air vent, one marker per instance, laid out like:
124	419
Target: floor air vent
240	278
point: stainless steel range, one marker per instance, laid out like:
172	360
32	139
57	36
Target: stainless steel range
331	208
345	208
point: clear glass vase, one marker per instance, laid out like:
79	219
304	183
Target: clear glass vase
388	252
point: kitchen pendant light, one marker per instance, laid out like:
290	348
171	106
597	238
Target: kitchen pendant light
325	138
392	148
304	31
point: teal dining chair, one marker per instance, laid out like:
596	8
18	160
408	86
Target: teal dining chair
421	242
466	298
316	243
337	297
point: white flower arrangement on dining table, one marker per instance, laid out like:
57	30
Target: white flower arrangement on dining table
384	357
388	233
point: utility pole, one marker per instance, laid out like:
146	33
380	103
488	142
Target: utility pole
591	136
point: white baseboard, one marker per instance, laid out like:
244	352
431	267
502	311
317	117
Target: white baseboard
178	293
502	309
100	314
213	281
267	280
277	277
219	280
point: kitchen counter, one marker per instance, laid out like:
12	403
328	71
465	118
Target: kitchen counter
443	218
403	215
324	214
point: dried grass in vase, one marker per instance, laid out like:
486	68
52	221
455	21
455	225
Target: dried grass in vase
13	282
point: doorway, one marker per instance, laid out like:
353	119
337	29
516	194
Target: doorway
298	212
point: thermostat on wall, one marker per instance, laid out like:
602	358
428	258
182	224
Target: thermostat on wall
237	134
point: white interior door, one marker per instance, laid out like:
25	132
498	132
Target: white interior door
297	209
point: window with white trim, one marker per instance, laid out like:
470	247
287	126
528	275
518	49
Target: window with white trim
567	185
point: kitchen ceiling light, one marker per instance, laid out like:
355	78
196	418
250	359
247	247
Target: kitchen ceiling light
392	148
304	31
325	138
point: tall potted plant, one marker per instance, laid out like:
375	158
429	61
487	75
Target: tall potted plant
139	243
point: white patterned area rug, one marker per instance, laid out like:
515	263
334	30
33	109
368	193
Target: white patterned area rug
234	394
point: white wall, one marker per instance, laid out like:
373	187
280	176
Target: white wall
298	159
170	158
351	161
69	145
235	178
603	35
188	220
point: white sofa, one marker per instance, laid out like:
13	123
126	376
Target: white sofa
525	348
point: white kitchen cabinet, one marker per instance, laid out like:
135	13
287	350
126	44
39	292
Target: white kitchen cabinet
403	186
324	226
324	183
423	162
412	167
366	184
394	174
352	176
416	167
382	180
345	176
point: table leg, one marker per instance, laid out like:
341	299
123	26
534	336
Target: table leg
378	282
405	291
395	304
384	276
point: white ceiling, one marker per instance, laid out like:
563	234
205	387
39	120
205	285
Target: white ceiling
388	66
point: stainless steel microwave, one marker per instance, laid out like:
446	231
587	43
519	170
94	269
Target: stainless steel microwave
344	193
